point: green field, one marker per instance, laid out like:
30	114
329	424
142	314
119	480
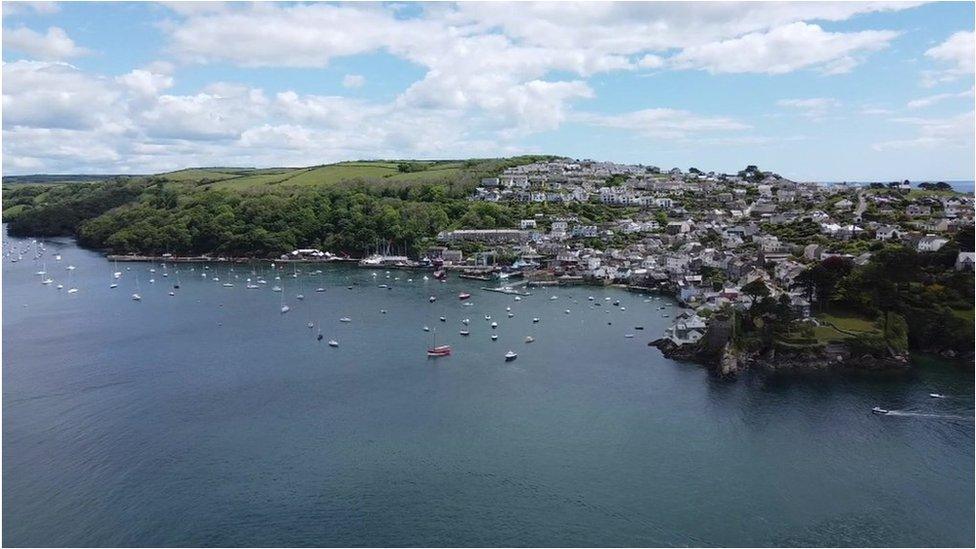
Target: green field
386	173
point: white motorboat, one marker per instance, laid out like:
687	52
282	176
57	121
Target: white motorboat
494	324
136	297
880	410
464	332
285	309
494	337
510	356
345	319
937	395
333	343
535	320
529	339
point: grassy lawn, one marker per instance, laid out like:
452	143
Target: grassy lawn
825	334
848	322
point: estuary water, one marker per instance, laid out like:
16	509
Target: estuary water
210	418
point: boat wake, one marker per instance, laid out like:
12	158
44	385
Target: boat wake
906	413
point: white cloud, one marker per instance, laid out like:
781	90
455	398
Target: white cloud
40	8
353	81
39	94
785	49
928	101
146	82
954	131
957	52
55	45
663	123
958	49
651	61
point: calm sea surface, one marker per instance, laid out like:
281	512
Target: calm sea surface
209	418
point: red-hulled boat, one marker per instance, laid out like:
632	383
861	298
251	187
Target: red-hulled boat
440	350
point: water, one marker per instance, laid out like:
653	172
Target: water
960	186
211	419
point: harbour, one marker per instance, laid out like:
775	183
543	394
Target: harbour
209	418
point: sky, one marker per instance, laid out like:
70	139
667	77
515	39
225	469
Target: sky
813	91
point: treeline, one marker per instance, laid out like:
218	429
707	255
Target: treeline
57	210
900	286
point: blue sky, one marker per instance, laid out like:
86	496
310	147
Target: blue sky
814	91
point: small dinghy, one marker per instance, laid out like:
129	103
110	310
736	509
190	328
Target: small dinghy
535	320
333	343
494	337
529	339
464	332
345	319
510	356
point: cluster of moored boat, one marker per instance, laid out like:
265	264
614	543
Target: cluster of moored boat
274	278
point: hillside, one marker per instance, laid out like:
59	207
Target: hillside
374	173
348	206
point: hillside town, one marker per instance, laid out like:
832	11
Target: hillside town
700	236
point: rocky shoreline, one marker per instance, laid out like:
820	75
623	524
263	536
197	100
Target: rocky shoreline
729	362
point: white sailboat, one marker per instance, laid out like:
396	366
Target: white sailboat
284	308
